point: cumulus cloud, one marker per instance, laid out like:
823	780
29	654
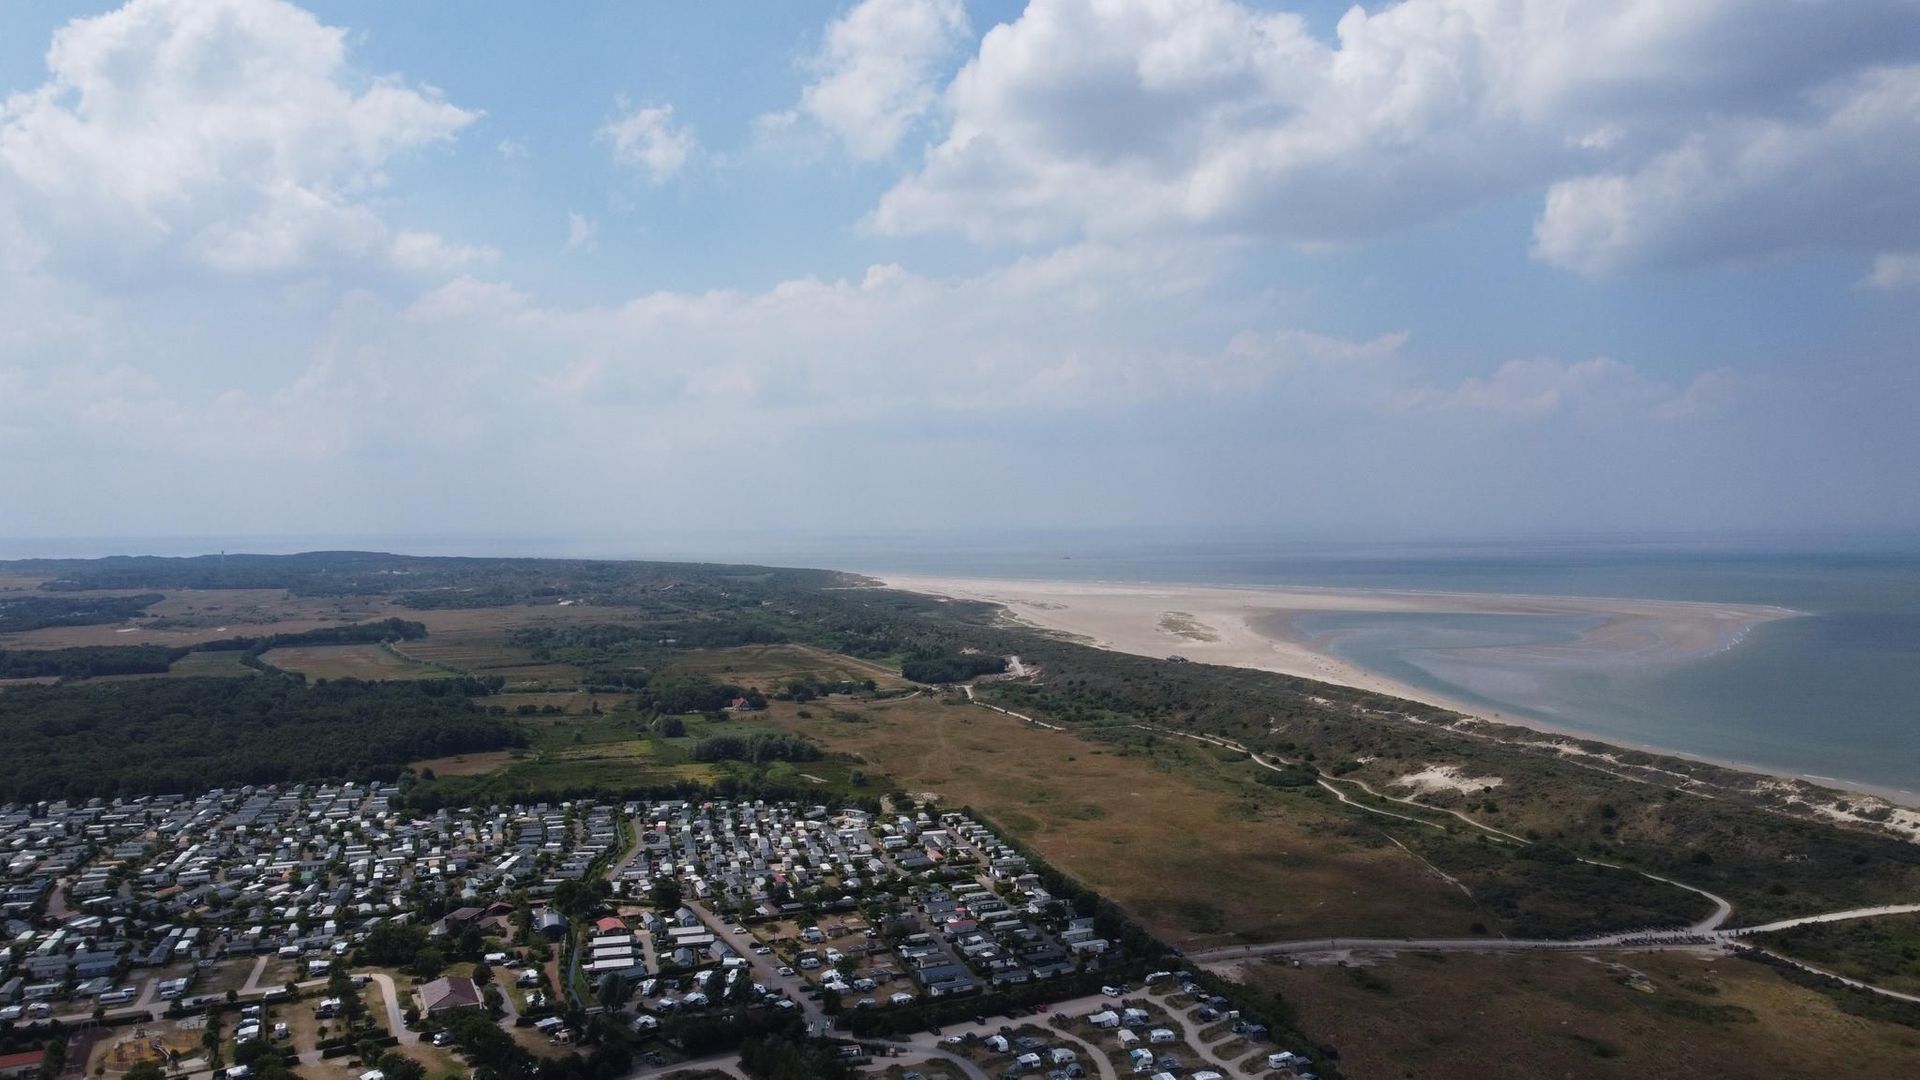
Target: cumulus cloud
1842	178
647	140
1109	118
877	72
227	134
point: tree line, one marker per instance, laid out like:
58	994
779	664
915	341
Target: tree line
757	749
88	662
367	633
950	667
18	613
156	736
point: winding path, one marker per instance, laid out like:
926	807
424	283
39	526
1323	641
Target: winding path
1706	933
1723	908
1831	916
1694	937
396	1023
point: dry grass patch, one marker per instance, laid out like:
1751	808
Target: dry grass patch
771	667
1564	1015
570	702
372	662
469	764
190	616
1197	863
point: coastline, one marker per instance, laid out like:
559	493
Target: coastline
1253	627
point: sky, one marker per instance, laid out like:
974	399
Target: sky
909	267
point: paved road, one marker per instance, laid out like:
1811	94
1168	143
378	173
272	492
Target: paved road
765	969
1855	983
930	1044
721	1063
252	985
1831	916
1691	938
396	1022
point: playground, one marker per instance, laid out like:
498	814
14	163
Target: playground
164	1045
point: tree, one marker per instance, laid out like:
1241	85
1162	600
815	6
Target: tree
612	992
428	962
144	1070
667	894
392	945
576	899
397	1066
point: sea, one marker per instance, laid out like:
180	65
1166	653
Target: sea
1832	694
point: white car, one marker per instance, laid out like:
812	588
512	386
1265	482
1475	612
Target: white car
739	929
786	971
762	950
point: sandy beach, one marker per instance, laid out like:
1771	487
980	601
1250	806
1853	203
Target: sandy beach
1253	627
1247	626
1250	626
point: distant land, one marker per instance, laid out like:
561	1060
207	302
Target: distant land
1297	839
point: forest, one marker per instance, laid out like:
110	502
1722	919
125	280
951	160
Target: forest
87	662
155	736
945	667
19	613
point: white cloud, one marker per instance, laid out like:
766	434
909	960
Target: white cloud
647	140
1895	270
876	72
1842	178
228	134
582	232
1052	388
427	252
511	149
1111	118
1542	387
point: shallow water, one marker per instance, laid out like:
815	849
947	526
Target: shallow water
1834	693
